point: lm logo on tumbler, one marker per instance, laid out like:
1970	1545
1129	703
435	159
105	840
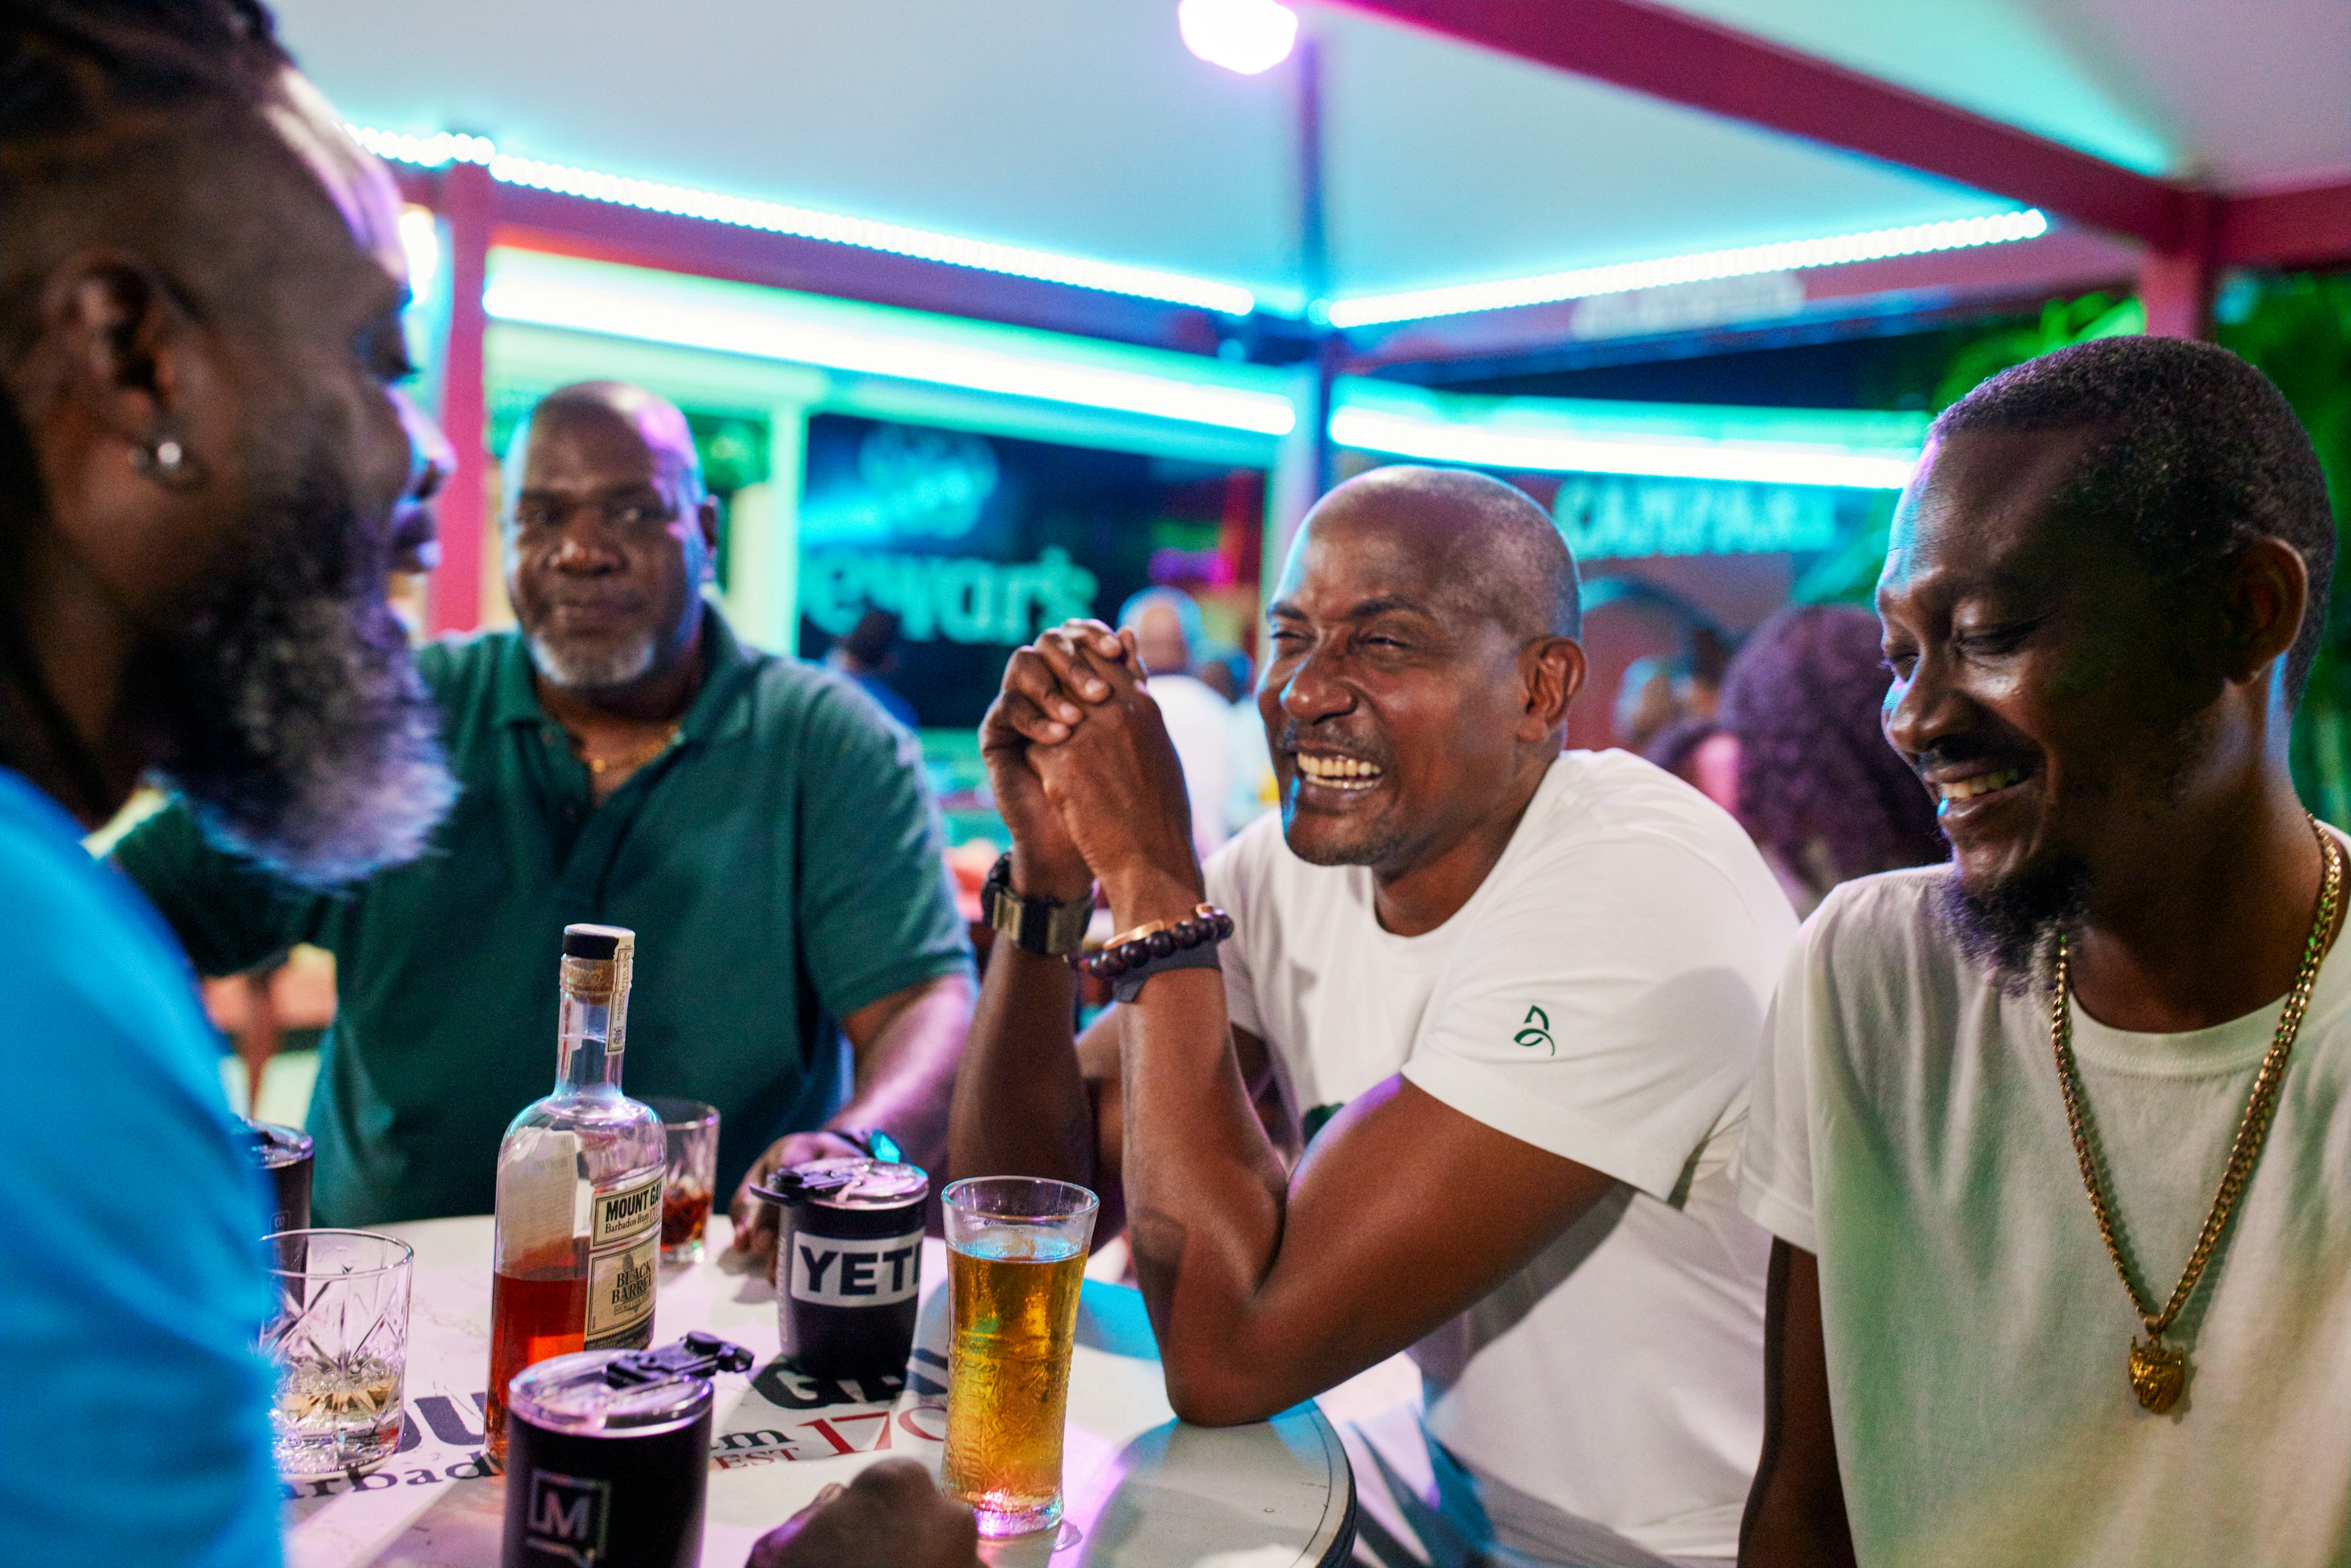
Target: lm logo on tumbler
567	1517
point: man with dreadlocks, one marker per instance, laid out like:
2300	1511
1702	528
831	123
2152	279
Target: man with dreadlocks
205	469
202	462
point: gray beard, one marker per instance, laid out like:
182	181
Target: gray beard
581	671
287	709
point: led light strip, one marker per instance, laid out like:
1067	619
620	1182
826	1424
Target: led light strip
1142	283
1497	444
1957	234
644	314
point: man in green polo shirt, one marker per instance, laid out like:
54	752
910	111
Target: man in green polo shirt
760	823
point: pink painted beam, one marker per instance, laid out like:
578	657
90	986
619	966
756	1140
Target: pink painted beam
2308	227
1686	60
606	231
468	200
2176	282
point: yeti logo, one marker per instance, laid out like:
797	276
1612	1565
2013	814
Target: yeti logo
567	1517
872	1272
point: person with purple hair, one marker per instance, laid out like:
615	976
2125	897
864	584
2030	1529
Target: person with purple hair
1819	791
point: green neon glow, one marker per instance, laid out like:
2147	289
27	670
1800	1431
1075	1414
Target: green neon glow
1851	449
442	148
747	324
541	290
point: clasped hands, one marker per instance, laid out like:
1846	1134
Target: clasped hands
1086	778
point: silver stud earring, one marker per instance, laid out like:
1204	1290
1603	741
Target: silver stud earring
169	463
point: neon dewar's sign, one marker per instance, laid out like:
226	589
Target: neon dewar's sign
953	599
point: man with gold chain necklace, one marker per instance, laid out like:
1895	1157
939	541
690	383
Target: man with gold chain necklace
2055	1142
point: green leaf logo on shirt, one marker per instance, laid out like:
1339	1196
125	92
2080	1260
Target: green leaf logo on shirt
1537	1031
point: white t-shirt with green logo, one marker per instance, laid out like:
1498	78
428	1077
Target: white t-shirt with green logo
1601	995
1908	1129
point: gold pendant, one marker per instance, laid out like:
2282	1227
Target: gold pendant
2158	1373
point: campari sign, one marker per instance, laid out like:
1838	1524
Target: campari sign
1616	516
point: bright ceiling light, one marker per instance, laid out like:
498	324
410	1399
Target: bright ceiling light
804	222
1244	35
1916	239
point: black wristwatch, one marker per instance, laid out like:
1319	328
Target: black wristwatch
1035	924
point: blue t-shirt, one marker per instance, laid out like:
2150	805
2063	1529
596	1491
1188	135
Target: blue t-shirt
134	1408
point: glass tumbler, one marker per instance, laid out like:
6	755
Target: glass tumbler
339	1341
690	1130
1015	1259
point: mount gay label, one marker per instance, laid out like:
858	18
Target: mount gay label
625	1213
865	1271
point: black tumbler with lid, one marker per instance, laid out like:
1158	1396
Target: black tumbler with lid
849	1264
608	1456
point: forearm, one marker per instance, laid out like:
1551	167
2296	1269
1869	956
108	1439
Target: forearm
1203	1186
1795	1512
906	1070
1020	1103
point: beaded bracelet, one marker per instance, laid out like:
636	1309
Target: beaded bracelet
1131	958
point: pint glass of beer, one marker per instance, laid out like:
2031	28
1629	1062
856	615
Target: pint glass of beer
1016	1254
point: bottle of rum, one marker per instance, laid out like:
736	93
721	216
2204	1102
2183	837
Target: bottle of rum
580	1188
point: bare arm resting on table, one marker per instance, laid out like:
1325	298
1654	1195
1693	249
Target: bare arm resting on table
1263	1290
1043	1105
906	1045
1795	1514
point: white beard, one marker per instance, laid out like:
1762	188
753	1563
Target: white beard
601	671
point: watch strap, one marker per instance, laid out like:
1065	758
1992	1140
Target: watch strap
1039	926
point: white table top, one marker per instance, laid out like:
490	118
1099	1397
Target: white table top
1143	1491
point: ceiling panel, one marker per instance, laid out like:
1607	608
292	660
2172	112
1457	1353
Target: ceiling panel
1454	164
2245	94
1083	126
2257	92
1074	125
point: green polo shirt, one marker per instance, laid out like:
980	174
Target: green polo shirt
779	862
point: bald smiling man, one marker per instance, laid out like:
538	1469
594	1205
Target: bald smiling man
623	758
1508	999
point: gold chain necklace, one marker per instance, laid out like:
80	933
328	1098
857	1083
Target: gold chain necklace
2158	1371
600	766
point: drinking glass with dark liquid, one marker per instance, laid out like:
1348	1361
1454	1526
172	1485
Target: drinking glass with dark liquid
690	1129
